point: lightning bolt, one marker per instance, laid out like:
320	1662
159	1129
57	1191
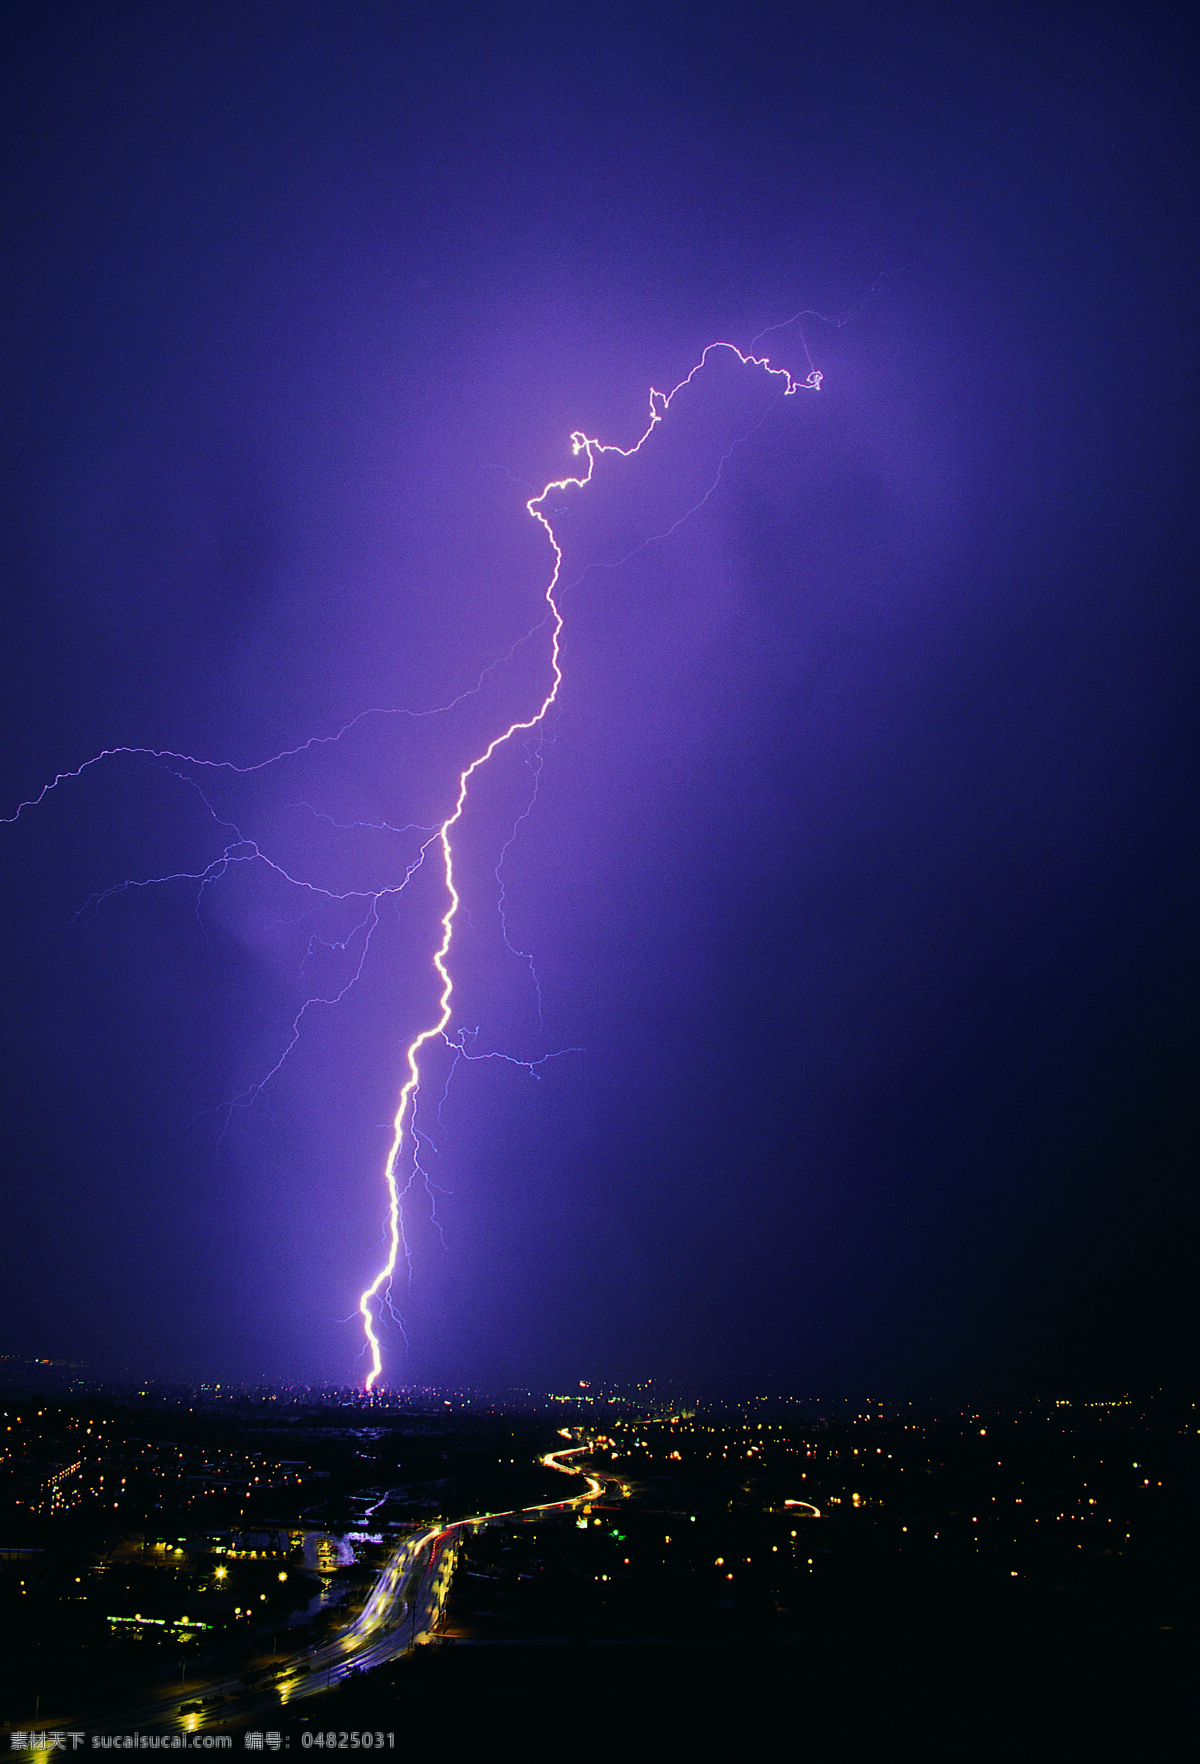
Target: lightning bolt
592	450
403	1164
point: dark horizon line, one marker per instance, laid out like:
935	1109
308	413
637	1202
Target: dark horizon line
1088	1392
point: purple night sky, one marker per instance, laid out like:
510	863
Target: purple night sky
860	877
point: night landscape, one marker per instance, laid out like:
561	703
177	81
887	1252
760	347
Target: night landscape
598	814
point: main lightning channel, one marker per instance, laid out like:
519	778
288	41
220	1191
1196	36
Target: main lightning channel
375	1296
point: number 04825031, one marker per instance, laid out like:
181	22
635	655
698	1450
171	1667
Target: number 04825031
348	1742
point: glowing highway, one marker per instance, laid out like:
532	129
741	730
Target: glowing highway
402	1611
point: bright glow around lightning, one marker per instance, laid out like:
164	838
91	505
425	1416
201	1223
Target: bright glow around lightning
660	403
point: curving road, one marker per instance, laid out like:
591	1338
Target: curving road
401	1611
